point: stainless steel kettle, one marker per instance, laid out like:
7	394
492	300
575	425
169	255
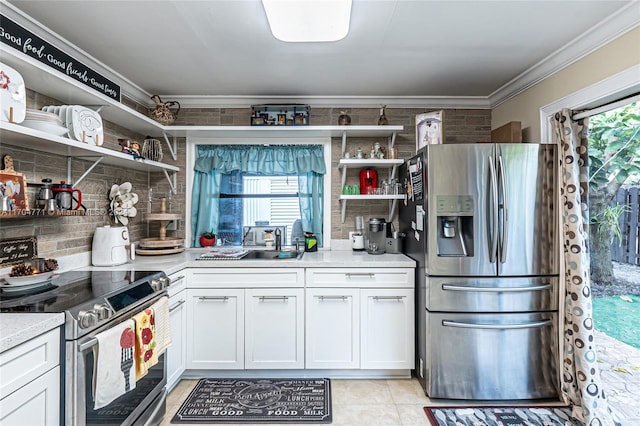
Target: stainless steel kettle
45	193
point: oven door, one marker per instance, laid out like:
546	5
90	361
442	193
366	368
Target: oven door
143	405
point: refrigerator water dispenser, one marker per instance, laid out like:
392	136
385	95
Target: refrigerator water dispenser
455	225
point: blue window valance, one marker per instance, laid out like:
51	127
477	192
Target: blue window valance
255	159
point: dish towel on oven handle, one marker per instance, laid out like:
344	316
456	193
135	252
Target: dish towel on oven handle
163	324
146	354
113	372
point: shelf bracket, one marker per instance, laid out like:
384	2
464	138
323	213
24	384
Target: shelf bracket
392	210
343	210
344	143
392	140
172	181
84	175
172	149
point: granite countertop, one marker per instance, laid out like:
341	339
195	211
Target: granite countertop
21	327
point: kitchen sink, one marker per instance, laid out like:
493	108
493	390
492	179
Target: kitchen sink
273	254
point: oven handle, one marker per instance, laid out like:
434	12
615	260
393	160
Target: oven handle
87	345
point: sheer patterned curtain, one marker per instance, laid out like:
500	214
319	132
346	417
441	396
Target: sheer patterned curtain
581	384
305	161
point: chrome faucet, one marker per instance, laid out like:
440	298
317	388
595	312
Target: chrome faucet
278	239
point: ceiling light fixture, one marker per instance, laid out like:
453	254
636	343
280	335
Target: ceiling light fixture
308	20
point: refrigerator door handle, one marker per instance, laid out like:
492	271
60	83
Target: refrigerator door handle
451	287
493	227
538	324
503	207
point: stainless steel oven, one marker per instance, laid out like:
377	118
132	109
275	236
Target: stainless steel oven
92	303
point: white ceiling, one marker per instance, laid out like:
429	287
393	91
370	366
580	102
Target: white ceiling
395	48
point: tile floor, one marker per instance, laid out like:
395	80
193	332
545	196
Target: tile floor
358	402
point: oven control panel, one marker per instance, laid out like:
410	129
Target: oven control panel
123	299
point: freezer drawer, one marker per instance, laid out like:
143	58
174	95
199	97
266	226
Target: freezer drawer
492	356
520	294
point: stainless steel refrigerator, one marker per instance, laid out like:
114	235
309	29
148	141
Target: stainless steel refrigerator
482	225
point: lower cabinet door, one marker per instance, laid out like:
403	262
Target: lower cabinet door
387	328
177	352
36	403
215	329
333	328
274	323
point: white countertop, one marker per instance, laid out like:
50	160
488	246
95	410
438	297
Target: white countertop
21	327
320	259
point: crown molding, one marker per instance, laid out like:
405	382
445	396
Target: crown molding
447	102
606	31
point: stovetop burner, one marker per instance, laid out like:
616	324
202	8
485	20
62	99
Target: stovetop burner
89	299
69	290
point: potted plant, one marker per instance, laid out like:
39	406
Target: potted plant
207	239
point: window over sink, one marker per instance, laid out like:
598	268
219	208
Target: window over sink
257	185
248	201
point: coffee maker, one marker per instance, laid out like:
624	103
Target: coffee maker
377	236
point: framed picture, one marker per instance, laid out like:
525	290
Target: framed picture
429	129
14	186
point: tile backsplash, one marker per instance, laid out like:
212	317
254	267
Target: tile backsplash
62	236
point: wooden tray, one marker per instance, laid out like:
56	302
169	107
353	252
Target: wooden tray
158	252
153	243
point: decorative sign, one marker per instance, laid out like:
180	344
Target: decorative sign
30	44
17	250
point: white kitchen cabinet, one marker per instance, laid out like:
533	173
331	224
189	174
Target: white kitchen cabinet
30	388
381	322
249	318
36	403
176	354
215	329
332	328
274	328
387	328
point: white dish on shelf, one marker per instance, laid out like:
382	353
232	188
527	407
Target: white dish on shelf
13	95
85	125
36	114
46	126
27	280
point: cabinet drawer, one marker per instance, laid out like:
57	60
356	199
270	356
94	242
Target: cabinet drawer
246	277
24	363
360	277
